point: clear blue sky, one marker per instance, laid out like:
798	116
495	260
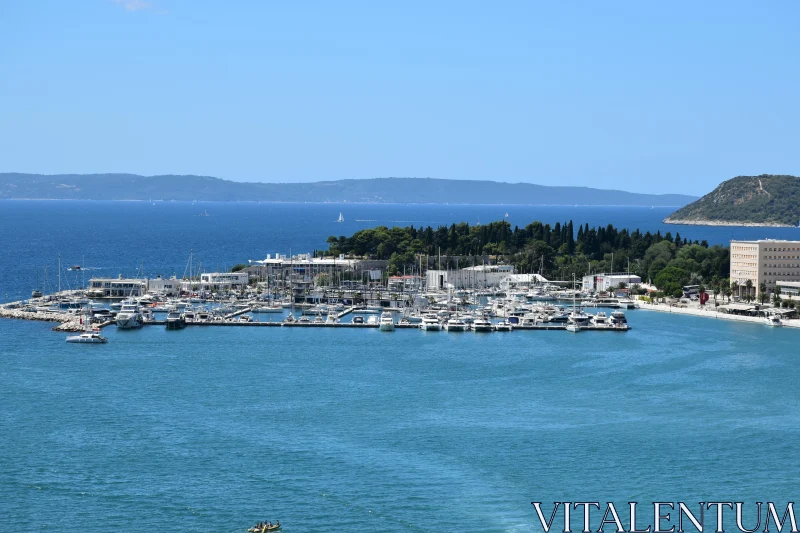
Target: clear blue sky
642	96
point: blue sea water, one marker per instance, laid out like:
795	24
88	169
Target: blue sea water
152	238
213	429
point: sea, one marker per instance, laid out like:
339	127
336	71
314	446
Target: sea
215	429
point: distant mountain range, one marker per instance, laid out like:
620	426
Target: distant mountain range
765	200
377	190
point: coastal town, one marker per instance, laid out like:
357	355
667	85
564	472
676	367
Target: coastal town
306	291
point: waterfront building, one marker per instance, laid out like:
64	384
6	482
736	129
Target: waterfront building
117	287
480	276
765	261
167	286
788	289
217	281
303	268
603	282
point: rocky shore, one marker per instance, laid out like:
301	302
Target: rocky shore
706	222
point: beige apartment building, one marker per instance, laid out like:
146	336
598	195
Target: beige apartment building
767	261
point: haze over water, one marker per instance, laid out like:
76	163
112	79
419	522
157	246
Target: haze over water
213	429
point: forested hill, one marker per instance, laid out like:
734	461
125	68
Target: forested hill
746	200
378	190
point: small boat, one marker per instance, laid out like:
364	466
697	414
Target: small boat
266	527
36	293
268	309
204	214
75	267
175	320
773	320
90	335
341	218
358	320
373	320
386	322
573	327
87	337
505	325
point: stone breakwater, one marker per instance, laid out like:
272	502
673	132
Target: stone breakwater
66	321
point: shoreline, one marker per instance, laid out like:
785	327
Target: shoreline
712	313
705	222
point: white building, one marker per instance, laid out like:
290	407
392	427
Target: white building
789	289
218	281
169	286
767	261
117	287
604	282
476	277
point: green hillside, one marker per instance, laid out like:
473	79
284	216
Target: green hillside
746	200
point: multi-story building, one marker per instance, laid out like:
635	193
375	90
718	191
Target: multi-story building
117	287
765	261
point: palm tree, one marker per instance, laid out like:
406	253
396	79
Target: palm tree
734	287
749	285
762	292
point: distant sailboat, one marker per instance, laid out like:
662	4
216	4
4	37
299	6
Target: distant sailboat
341	218
204	214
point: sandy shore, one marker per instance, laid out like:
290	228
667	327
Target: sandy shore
710	312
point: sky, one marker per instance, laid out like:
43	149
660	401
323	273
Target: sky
656	97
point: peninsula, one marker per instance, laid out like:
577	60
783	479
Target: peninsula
377	190
765	200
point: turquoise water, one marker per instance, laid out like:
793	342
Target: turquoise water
213	429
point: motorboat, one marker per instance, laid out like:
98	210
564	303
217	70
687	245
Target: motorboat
90	335
481	325
87	337
130	316
268	309
358	320
773	320
373	321
618	320
455	324
175	320
600	320
264	528
386	322
573	327
505	325
430	322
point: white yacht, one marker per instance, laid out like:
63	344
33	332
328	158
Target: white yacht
129	316
87	337
430	322
573	327
268	309
387	322
773	320
175	320
618	320
505	325
600	320
372	320
455	324
481	325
